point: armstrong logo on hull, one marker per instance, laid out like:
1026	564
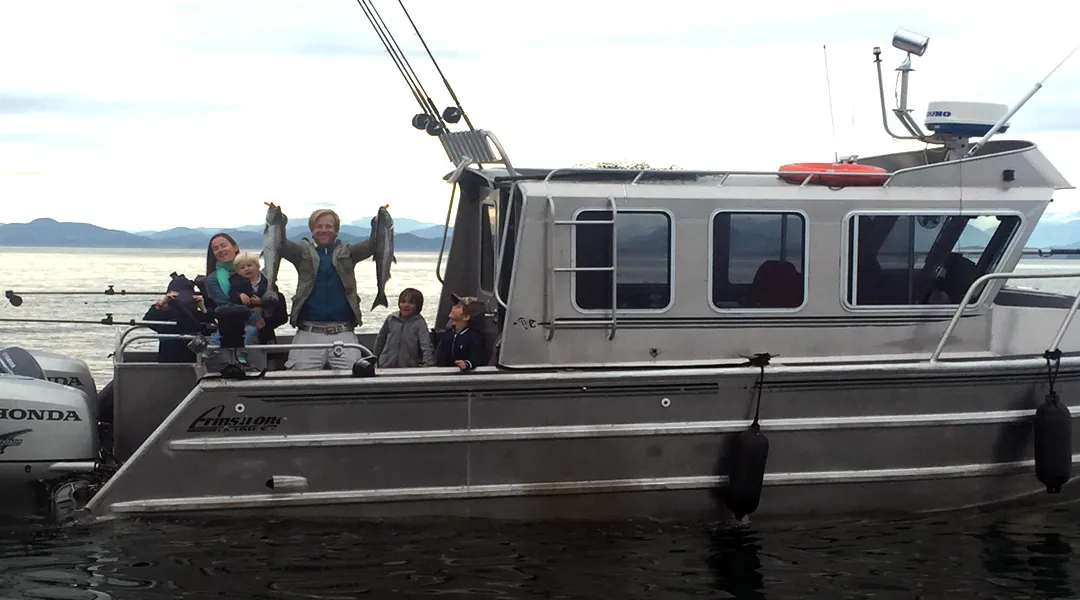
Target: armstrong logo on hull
34	414
215	421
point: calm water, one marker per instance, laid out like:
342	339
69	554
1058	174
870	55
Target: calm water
1021	553
1027	554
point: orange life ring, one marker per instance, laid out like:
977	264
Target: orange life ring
834	174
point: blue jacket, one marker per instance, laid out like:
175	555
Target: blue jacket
467	345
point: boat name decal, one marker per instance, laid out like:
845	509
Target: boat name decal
34	414
215	421
525	323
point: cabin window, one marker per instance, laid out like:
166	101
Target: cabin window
643	260
758	260
489	224
905	260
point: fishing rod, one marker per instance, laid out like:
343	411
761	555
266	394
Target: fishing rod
449	114
1051	251
429	120
15	297
108	320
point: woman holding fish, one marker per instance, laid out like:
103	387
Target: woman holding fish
326	307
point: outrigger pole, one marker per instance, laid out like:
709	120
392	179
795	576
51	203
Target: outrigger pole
15	297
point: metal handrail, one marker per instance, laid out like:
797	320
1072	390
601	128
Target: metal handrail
445	233
614	268
124	334
549	233
723	175
502	244
1013	275
334	345
157	336
502	152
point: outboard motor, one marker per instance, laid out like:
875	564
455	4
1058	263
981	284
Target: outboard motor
57	368
69	371
17	361
48	436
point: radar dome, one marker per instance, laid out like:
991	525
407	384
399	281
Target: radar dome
964	119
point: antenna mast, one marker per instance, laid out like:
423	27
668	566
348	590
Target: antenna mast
1038	86
952	124
832	113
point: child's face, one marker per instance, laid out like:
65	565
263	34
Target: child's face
406	306
249	270
457	314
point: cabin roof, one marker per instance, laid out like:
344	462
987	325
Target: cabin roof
918	168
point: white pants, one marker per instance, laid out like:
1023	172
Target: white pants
304	359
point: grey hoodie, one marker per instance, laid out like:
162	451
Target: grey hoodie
404	343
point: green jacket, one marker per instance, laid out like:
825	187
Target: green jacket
306	260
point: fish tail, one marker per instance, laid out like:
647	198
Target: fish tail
380	300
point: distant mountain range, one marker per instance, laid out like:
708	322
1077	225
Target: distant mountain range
409	235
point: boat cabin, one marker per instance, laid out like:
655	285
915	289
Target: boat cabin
602	268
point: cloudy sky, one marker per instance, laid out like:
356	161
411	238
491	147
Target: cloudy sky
155	114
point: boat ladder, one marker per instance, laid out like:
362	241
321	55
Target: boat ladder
550	320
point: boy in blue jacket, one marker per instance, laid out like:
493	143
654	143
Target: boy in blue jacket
462	343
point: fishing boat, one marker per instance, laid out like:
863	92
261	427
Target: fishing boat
818	339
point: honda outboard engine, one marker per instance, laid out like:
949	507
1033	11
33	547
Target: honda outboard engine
69	371
17	361
62	369
48	435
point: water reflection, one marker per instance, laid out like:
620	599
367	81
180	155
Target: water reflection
734	559
1027	554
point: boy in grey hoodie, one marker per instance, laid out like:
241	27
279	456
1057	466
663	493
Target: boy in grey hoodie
404	340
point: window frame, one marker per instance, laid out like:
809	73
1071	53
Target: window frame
849	260
670	260
711	250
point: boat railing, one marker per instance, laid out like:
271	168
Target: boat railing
636	175
130	341
981	281
126	332
123	341
337	348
